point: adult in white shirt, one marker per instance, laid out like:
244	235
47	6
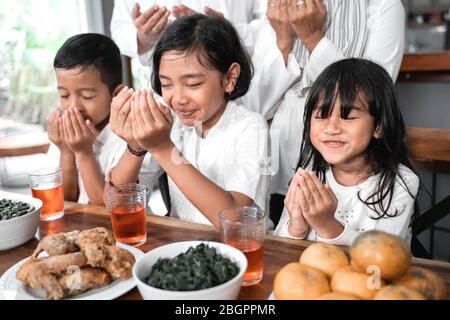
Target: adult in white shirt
137	24
294	49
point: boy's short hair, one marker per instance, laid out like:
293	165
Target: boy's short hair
92	50
213	40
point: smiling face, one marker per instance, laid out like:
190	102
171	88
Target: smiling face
195	93
343	142
83	89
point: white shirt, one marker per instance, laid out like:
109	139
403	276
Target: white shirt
232	156
271	94
355	216
241	13
108	149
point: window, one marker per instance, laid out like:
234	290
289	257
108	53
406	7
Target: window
31	32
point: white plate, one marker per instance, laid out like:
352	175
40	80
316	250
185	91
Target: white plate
13	289
271	297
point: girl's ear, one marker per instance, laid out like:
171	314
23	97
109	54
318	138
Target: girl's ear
118	89
377	132
232	77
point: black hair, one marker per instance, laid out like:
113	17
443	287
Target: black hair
216	44
92	50
352	80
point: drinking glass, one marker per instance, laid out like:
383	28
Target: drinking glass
127	206
47	184
244	229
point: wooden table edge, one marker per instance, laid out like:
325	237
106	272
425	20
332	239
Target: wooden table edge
170	221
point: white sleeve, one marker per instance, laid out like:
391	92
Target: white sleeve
53	155
145	58
385	42
402	206
272	77
124	32
150	172
116	148
248	31
282	228
245	171
259	9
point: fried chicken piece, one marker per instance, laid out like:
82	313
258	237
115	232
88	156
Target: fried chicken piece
64	274
26	272
86	279
62	263
97	235
116	261
30	272
53	289
92	242
57	244
67	242
119	263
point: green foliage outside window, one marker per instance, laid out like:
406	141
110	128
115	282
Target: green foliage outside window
30	34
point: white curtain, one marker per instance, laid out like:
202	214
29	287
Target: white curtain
91	16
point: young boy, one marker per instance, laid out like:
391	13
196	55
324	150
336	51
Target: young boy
89	74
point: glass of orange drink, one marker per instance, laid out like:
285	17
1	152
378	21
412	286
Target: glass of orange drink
127	205
244	228
47	185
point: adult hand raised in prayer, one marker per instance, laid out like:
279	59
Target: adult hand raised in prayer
307	18
277	14
149	25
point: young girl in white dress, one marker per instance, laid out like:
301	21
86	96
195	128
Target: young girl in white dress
214	150
353	173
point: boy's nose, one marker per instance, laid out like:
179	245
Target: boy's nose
74	103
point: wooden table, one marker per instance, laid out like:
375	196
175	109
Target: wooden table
24	144
425	67
163	230
21	143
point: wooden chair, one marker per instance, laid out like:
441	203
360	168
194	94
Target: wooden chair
429	150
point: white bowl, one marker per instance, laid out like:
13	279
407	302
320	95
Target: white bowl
17	231
226	291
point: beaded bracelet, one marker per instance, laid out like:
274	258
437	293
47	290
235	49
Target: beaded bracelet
135	152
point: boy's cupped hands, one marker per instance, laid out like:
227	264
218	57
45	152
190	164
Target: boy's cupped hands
55	131
70	132
79	133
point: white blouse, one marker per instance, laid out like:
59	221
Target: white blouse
233	155
356	217
271	92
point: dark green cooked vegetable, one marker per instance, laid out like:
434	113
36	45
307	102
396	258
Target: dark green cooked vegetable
10	209
198	268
